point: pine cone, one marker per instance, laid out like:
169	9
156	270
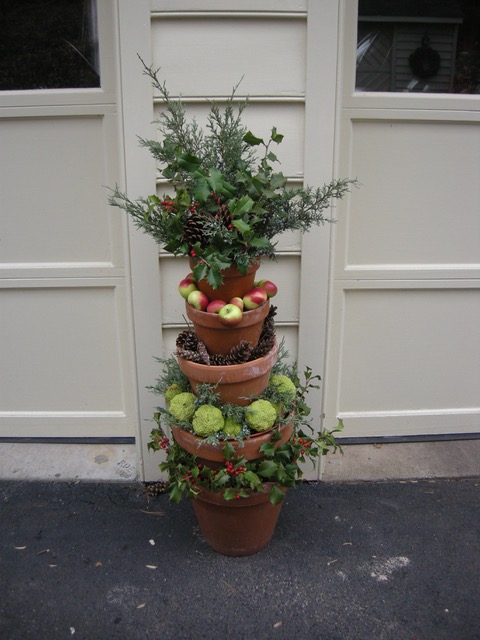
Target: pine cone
193	229
193	356
267	338
155	488
237	355
223	215
187	340
202	351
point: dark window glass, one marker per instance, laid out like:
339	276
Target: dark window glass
428	46
48	44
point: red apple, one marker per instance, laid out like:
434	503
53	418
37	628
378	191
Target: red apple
254	298
269	286
237	302
230	314
186	286
215	305
198	300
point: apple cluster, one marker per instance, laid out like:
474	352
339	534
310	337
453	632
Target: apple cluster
231	312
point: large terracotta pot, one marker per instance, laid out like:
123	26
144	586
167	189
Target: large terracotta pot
218	338
211	455
235	383
234	283
238	527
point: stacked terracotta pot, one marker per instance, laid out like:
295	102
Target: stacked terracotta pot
238	527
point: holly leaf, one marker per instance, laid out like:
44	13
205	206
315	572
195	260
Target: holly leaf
201	190
189	162
242	226
239	207
267	468
252	140
276	495
276	137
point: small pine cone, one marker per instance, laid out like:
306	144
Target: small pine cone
266	342
262	348
193	229
187	340
155	488
203	353
223	215
237	355
193	356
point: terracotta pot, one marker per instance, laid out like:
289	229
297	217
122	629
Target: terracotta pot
234	283
238	527
211	455
218	338
235	383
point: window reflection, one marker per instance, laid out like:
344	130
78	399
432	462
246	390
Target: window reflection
48	44
418	46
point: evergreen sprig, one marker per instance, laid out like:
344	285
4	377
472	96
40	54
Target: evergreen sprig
237	204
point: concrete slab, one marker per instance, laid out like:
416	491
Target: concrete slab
403	461
26	461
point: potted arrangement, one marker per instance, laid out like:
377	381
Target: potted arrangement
236	412
236	462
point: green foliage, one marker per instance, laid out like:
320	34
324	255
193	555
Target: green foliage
242	201
281	465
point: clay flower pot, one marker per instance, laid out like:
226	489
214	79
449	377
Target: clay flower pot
218	338
234	283
238	527
235	383
211	455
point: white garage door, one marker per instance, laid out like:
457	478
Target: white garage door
66	365
404	355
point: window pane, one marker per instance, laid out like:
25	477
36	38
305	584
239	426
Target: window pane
418	45
48	44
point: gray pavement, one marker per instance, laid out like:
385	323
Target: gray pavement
348	561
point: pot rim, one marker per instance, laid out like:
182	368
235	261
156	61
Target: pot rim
240	372
254	497
212	320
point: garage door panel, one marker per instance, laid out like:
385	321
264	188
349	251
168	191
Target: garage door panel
405	351
63	350
417	204
53	191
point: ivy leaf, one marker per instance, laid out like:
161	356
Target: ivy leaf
252	140
276	495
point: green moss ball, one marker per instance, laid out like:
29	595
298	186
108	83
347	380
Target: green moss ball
260	415
172	391
207	420
284	385
232	428
182	406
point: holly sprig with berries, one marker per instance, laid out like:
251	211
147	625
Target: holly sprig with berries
281	465
237	477
230	202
